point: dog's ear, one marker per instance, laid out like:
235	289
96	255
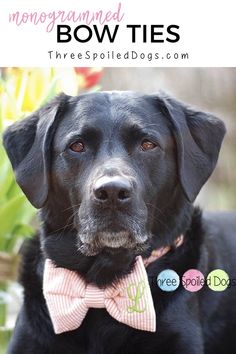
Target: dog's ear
198	138
28	144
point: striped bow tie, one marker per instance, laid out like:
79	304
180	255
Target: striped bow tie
69	297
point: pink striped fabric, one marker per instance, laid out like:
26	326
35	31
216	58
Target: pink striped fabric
68	298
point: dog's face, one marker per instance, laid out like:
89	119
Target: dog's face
117	161
113	156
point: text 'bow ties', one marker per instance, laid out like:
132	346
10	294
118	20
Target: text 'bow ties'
69	297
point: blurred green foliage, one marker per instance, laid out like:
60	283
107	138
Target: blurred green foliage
23	90
15	210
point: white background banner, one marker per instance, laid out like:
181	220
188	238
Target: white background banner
167	33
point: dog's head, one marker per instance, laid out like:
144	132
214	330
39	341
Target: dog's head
114	164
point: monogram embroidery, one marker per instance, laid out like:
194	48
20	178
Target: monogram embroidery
135	293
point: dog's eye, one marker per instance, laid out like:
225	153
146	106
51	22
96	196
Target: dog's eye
147	145
78	146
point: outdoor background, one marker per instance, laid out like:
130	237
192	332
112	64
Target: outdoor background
23	90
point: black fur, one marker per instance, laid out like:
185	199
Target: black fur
163	184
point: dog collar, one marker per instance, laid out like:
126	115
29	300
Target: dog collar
158	253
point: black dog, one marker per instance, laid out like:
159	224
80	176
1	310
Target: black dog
115	176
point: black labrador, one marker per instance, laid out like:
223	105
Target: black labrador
114	175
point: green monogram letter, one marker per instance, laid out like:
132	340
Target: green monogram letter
135	293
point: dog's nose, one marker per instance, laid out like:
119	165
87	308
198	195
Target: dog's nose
114	189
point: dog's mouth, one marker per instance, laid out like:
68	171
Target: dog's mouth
111	242
111	230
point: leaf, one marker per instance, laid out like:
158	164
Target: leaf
14	212
21	231
51	92
12	101
14	190
1	119
5	186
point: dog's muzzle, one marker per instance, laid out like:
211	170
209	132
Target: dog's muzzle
112	216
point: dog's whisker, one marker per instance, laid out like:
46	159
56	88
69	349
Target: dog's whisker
72	207
162	214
